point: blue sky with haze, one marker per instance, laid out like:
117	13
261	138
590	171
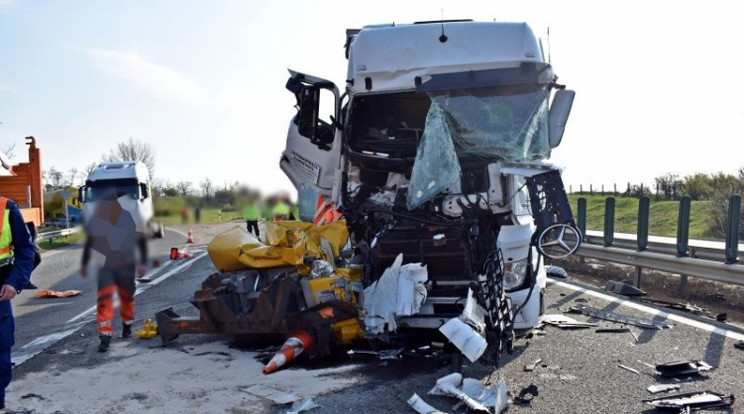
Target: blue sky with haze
657	83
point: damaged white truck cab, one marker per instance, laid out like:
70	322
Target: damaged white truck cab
437	150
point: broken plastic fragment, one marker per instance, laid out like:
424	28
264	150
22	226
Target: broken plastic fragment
682	368
623	288
527	394
563	321
655	389
532	365
472	392
471	343
421	406
692	400
304	405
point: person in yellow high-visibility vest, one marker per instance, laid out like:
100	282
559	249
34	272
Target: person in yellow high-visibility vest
16	263
251	215
281	211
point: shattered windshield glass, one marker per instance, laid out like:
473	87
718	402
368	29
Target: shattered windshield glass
499	123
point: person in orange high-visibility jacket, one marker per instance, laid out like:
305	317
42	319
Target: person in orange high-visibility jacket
111	241
16	264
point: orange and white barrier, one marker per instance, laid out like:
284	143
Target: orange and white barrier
294	345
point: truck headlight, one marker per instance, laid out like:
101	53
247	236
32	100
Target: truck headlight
515	274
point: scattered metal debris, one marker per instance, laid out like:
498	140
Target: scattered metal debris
556	271
739	345
421	406
532	365
633	370
565	322
684	307
612	330
384	355
473	393
655	389
623	288
692	400
682	368
616	317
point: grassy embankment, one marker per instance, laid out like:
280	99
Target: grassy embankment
662	216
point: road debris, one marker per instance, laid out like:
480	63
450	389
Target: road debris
383	355
421	406
739	345
623	288
655	389
691	401
31	395
565	322
682	368
526	395
633	370
556	271
467	331
470	391
619	318
48	293
684	307
532	365
148	331
303	405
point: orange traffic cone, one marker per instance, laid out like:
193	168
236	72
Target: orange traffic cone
293	347
190	237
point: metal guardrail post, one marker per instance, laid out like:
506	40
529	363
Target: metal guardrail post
732	229
581	217
642	230
609	221
683	227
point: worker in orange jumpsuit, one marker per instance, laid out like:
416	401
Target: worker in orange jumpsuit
111	244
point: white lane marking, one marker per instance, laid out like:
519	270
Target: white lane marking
652	311
41	343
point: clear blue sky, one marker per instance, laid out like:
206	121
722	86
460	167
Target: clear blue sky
658	83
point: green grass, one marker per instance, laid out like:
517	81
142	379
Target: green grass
208	215
662	216
58	242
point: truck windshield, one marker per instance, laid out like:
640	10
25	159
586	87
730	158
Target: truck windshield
500	123
108	191
508	123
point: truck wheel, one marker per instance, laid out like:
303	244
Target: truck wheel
160	233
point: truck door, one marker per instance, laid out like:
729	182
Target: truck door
311	156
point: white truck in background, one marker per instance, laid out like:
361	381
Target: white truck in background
131	182
437	149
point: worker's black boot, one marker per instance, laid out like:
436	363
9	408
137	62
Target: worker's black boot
105	342
126	330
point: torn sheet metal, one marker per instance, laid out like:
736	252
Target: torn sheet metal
565	322
616	317
473	393
684	307
421	406
692	400
467	331
400	291
655	389
683	368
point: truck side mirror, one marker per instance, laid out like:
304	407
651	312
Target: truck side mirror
560	109
81	194
143	191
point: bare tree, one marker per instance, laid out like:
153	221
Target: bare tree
72	174
207	188
8	150
89	169
184	187
54	178
133	150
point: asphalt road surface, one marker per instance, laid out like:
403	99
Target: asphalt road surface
580	371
